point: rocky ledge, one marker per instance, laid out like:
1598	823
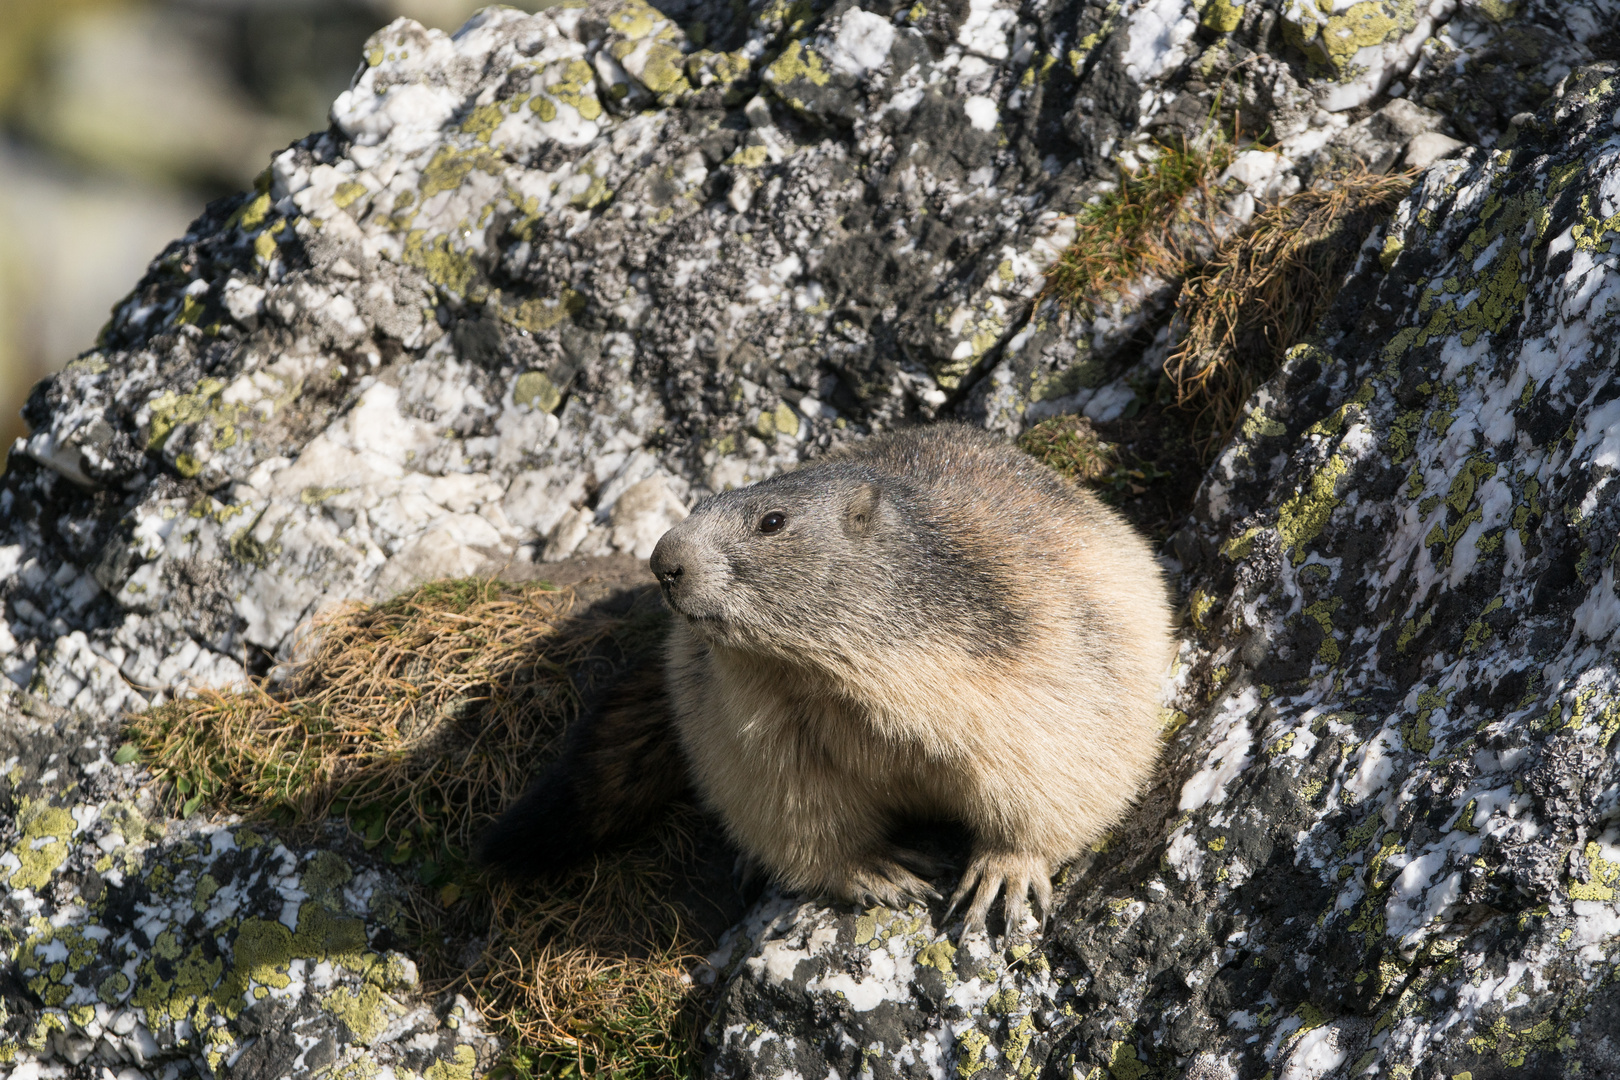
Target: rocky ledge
545	282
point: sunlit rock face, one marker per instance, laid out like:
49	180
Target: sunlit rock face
547	281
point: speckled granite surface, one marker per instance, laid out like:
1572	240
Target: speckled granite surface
545	282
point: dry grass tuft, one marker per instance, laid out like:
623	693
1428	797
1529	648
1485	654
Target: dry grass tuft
1155	222
418	720
1265	289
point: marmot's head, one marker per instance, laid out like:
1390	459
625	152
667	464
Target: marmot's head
758	567
831	560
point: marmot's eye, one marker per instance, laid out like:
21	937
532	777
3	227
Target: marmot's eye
772	522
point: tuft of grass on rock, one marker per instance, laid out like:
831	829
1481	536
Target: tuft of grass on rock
417	721
1265	289
1243	302
1155	222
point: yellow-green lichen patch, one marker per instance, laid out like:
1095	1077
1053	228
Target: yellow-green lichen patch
1322	611
1460	499
1199	605
366	1011
571	83
593	193
538	314
797	62
264	948
940	955
482	121
1221	16
1123	1064
658	65
42	844
170	410
1333	38
970	1052
1498	290
251	214
791	17
1604	873
1478	631
1302	517
323	879
1258	425
781	420
449	167
1415	732
174	985
536	390
446	267
460	1066
1591	234
347	193
749	157
1412	628
49	954
1241	545
1513	1044
1015	1050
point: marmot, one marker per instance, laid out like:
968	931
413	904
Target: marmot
929	625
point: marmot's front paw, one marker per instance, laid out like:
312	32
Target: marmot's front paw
888	879
1019	872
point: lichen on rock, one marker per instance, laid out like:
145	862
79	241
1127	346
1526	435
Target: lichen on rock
546	281
191	947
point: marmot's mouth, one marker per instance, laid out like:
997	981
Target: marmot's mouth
697	618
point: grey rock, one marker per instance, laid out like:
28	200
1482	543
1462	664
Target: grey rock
1380	139
1428	147
548	280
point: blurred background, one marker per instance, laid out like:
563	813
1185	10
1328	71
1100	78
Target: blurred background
120	119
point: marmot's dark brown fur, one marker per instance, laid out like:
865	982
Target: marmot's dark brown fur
929	625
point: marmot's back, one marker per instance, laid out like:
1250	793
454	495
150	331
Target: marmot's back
1060	556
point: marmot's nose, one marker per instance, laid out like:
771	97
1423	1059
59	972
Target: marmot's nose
666	563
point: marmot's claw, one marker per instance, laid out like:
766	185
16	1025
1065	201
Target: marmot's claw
1017	908
886	882
1043	897
1018	874
969	877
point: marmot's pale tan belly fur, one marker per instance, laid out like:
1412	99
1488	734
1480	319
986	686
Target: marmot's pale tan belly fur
931	625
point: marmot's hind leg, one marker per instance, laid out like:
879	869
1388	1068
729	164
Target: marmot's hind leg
621	766
1019	873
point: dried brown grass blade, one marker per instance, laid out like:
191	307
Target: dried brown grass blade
1265	289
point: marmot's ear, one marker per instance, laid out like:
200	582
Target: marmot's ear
860	516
